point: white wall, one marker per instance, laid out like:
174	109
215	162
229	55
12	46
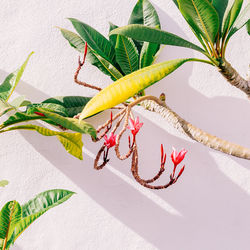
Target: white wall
207	209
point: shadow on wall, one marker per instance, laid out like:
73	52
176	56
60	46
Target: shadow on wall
204	210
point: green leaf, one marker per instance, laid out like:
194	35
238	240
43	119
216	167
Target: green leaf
129	85
96	41
55	108
248	27
36	207
112	39
144	13
126	54
148	53
70	123
220	6
231	16
242	19
14	105
11	81
72	104
72	142
10	215
44	201
154	35
202	17
19	117
105	66
3	183
5	107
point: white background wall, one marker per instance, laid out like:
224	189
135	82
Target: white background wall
207	209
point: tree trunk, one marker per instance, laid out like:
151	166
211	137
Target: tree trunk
152	103
234	78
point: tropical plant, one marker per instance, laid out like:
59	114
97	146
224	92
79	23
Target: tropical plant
15	218
58	111
213	24
119	55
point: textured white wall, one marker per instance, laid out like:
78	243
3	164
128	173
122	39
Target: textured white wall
208	208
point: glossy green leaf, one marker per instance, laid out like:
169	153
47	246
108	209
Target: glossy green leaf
3	183
129	85
242	19
220	6
45	201
11	81
70	123
231	16
55	108
72	142
248	27
19	117
10	215
202	17
36	207
144	13
148	53
105	66
154	35
112	39
72	104
126	54
96	41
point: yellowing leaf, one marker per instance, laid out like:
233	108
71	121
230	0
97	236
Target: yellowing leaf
129	85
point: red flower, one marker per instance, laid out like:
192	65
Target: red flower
134	125
110	141
178	157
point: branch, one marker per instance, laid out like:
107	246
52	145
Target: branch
152	103
234	78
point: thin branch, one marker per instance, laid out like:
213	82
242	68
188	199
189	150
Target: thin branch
80	64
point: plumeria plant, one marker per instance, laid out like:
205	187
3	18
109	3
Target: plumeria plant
127	56
214	24
15	218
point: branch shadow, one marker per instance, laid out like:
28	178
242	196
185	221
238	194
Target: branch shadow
209	209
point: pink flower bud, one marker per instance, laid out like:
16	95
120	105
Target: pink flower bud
134	126
110	141
176	157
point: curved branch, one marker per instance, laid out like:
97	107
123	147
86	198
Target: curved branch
152	103
134	170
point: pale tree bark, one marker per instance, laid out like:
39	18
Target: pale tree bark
154	104
234	78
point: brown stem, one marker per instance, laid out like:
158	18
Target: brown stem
152	103
134	170
105	160
117	151
80	64
234	78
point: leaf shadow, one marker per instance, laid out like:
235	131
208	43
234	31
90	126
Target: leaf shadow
208	209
